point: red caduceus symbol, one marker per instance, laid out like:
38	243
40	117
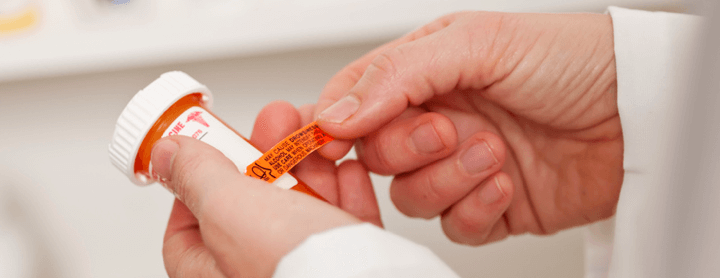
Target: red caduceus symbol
195	116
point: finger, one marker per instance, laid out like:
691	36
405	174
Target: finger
410	74
337	151
356	192
406	144
500	230
431	190
244	221
348	77
192	169
275	121
184	253
472	220
314	170
306	113
182	221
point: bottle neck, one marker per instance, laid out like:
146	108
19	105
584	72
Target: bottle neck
142	161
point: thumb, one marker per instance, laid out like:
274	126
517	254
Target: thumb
410	74
192	169
247	224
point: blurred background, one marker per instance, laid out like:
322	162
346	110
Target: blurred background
68	68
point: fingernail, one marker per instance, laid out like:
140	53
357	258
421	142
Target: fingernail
340	110
492	192
478	158
162	157
426	139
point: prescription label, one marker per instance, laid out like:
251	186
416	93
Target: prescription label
197	123
288	153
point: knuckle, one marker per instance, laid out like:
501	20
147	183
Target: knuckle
457	238
467	229
447	19
402	198
416	197
442	188
451	230
442	22
387	61
466	223
384	164
433	193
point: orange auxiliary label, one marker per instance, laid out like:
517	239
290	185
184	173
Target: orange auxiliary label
288	153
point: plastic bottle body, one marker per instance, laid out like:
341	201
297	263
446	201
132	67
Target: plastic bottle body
188	116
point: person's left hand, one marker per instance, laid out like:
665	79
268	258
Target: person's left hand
234	225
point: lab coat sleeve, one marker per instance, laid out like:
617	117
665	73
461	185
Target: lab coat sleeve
362	250
654	55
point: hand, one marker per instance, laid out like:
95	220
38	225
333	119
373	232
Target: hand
499	123
225	224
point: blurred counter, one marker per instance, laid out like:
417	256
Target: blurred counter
81	36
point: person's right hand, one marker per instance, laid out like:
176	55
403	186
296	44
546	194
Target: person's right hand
500	123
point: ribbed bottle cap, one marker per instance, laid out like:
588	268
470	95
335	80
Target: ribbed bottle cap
141	113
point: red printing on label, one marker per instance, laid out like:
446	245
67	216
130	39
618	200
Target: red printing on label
195	116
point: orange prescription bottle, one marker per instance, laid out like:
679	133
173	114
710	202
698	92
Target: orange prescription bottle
176	104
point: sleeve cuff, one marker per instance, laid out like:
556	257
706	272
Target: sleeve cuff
654	57
361	251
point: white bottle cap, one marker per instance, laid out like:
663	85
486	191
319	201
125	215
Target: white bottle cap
141	114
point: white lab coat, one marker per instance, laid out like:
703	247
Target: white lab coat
654	56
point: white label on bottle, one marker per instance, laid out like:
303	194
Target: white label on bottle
197	123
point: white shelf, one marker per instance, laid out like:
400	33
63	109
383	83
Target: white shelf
91	35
